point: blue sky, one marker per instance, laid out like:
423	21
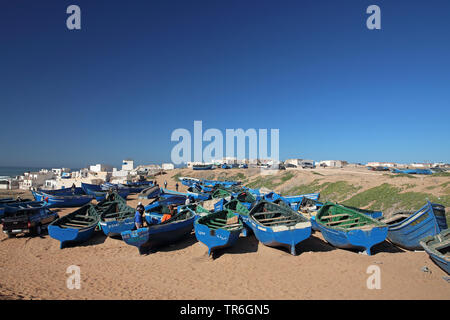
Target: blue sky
137	70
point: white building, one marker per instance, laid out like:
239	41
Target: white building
295	162
35	179
382	164
333	163
127	165
168	166
101	168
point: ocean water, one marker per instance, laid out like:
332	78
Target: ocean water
17	171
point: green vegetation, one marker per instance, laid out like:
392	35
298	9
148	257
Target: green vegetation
441	174
317	173
335	191
304	188
176	176
387	196
399	175
270	182
338	191
408	186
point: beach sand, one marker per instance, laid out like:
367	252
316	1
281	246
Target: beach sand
35	268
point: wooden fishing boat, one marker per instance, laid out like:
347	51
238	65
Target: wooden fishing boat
178	226
156	209
101	195
115	216
218	230
76	227
406	229
438	248
413	171
347	228
64	191
62	201
150	193
91	187
187	181
276	225
202	167
193	195
293	201
219	193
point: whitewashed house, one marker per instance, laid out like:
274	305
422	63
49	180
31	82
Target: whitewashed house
101	168
333	163
168	166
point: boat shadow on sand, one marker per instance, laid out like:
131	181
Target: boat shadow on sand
97	238
243	245
181	244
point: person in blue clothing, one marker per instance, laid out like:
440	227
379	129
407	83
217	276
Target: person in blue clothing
139	217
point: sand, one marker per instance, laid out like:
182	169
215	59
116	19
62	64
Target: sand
35	268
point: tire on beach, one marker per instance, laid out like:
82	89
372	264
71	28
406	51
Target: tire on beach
11	235
37	230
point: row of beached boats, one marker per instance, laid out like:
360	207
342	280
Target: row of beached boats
79	196
275	220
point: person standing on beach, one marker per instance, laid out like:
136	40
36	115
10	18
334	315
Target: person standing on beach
176	186
165	184
138	217
140	205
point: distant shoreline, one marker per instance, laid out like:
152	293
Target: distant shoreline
10	172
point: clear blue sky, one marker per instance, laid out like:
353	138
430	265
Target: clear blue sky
137	70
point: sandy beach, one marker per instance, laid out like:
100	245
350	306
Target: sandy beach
35	267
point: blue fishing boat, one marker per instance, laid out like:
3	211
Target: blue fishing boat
150	193
277	225
115	216
129	187
407	229
225	183
62	201
438	248
178	226
91	187
225	166
164	204
64	191
218	230
76	227
101	195
346	228
192	195
293	201
202	167
413	171
187	181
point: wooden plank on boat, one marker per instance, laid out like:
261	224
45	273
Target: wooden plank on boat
363	226
271	219
335	216
264	213
75	225
340	221
282	221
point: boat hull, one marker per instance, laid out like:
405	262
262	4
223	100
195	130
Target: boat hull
358	239
281	236
115	228
158	235
216	239
63	201
441	241
408	233
68	236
